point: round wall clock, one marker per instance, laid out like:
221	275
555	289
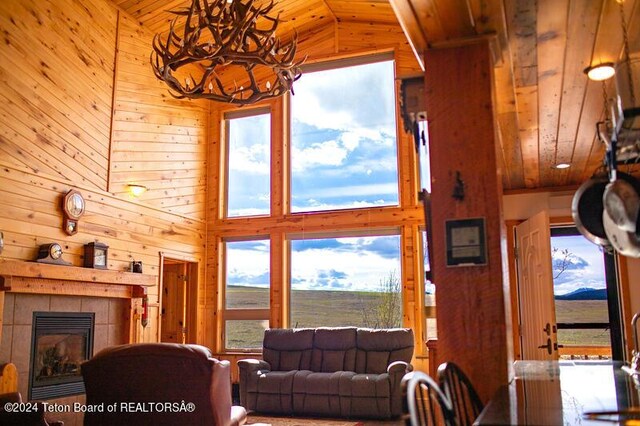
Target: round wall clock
73	207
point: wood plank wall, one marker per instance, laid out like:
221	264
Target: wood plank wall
158	141
58	60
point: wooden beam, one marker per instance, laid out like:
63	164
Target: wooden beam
412	28
461	79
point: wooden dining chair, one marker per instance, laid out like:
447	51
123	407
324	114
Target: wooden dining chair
459	390
424	404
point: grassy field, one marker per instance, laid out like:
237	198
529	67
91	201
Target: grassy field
315	308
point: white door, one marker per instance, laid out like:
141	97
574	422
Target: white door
538	330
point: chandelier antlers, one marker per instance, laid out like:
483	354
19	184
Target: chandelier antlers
219	36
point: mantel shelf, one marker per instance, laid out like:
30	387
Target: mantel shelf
40	278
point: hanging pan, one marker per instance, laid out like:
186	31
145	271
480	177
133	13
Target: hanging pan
587	208
621	216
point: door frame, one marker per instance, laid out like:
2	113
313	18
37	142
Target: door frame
191	296
622	288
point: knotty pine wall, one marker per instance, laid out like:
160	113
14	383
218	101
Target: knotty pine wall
82	109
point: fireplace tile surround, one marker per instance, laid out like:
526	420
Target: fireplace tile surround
111	323
26	287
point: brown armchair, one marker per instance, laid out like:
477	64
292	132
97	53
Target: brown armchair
156	383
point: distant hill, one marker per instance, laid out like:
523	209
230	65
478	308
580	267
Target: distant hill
585	294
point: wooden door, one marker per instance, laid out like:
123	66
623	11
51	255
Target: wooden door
538	330
173	303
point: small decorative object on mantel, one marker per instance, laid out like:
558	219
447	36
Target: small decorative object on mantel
96	255
51	253
215	37
73	208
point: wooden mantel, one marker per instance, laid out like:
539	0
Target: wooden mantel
18	276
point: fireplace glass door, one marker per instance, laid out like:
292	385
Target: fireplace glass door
61	342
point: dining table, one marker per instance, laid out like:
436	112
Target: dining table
571	392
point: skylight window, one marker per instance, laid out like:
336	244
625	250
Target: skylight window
343	139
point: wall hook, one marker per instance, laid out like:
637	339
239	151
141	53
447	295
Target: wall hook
458	189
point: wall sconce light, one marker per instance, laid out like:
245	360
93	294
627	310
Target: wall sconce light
601	71
136	190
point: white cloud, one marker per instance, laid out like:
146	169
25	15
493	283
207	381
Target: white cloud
363	270
329	153
252	159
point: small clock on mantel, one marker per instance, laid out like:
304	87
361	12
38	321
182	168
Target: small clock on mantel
51	253
96	255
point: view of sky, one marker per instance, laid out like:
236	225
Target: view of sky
585	264
249	148
353	264
343	150
347	264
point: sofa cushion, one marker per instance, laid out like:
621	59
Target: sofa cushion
379	348
278	382
309	382
370	385
288	349
334	349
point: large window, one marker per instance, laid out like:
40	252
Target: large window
351	281
246	293
343	139
249	153
293	253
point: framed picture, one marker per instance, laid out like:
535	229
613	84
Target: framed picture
466	242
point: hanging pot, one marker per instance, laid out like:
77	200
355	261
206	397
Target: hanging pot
621	214
622	203
587	208
626	243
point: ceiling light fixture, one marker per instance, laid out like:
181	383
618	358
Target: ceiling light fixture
232	49
136	190
601	72
562	166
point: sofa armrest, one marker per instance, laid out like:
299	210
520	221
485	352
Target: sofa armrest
251	365
396	371
248	372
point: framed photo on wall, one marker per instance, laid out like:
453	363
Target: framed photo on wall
466	242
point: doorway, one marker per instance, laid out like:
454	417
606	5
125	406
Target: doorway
178	302
587	302
567	294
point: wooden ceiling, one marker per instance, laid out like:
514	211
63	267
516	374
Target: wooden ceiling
546	107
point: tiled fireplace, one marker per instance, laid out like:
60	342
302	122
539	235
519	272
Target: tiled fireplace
104	306
60	343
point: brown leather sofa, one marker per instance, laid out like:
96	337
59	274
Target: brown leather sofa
154	383
332	372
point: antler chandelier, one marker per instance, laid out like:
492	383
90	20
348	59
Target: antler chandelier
223	36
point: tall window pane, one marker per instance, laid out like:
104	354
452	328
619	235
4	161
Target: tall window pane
246	293
248	178
343	152
346	282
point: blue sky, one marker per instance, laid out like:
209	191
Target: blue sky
343	150
351	263
585	264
